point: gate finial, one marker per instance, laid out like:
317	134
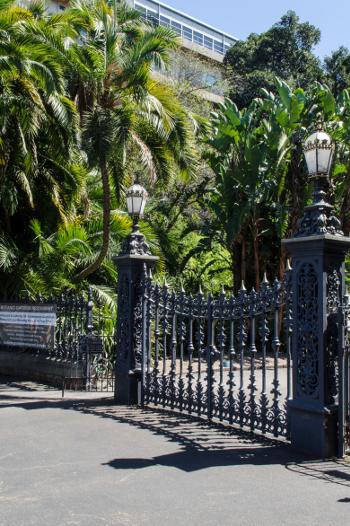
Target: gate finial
242	289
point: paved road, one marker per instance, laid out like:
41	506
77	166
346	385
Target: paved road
86	462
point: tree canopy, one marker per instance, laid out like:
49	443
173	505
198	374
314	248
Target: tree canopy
82	113
285	50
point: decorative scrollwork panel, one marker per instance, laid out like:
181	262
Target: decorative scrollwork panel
307	336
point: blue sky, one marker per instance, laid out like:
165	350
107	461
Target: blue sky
242	17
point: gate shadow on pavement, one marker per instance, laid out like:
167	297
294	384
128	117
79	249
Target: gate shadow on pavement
204	445
201	445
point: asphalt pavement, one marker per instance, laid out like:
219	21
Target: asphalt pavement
84	461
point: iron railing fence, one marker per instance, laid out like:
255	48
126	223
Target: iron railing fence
84	339
85	334
224	358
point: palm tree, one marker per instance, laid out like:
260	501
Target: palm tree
38	122
128	118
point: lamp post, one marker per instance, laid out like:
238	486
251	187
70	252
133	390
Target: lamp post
136	198
319	217
134	258
318	251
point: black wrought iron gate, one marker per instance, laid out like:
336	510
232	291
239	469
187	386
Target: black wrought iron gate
224	358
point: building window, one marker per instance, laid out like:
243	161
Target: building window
218	47
176	27
187	33
141	10
164	21
198	38
152	16
208	42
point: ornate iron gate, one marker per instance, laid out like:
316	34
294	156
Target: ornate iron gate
224	358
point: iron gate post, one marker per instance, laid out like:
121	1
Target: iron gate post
318	252
134	258
318	284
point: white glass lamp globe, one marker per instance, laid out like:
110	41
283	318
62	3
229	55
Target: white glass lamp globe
136	198
318	151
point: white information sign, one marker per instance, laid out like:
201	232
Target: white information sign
24	325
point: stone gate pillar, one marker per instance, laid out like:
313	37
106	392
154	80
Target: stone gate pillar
131	262
318	252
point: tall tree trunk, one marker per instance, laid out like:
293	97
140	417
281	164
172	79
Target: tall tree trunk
236	249
243	261
106	226
256	261
282	262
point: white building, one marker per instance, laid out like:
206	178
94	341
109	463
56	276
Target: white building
203	47
199	62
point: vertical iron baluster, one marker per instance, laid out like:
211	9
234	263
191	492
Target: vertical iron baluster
190	349
172	375
83	322
70	323
231	379
89	329
252	352
242	298
222	341
181	330
66	324
52	300
200	343
156	345
89	313
144	395
164	342
58	339
209	355
264	333
275	346
288	335
73	350
77	301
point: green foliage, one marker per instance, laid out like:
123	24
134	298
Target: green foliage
82	111
260	181
337	67
284	50
74	112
